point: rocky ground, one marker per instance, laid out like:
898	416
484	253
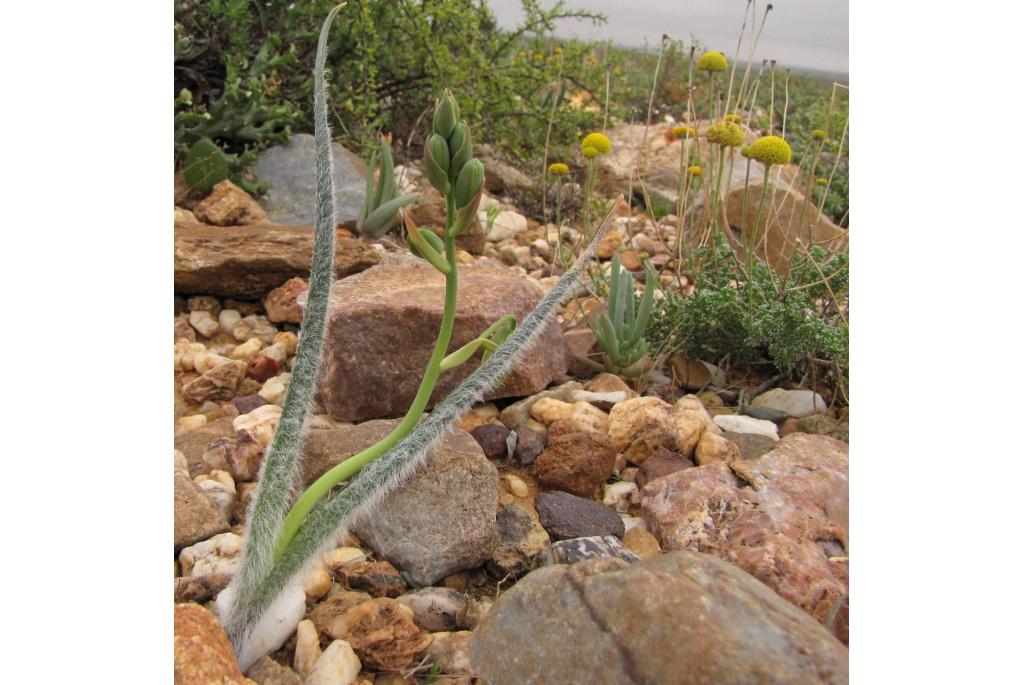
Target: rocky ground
568	525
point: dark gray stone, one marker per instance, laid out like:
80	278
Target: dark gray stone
289	169
529	444
684	618
765	413
566	516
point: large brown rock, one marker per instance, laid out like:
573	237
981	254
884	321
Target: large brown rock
202	653
248	261
682	618
782	517
382	324
440	521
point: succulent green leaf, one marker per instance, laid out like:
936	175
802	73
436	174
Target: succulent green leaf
383	218
205	166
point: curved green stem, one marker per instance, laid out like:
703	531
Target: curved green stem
753	242
346	469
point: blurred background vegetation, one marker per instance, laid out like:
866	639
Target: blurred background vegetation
242	78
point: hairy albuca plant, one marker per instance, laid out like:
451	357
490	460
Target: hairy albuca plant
264	602
620	330
382	202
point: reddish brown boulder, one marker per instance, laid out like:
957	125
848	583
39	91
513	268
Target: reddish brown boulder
382	324
202	653
247	261
575	462
783	518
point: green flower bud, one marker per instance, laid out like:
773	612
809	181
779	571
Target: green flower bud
435	160
446	114
470	180
463	151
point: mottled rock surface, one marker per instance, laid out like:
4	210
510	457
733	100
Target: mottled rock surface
381	328
576	462
444	519
682	618
229	205
248	261
202	653
196	517
782	517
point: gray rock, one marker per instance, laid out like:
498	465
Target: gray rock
441	520
529	445
684	618
766	413
751	445
196	517
581	549
289	169
566	516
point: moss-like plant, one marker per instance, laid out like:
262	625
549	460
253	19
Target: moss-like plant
382	202
262	605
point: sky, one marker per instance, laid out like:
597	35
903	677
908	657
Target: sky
808	34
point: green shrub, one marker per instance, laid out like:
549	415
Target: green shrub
784	321
386	59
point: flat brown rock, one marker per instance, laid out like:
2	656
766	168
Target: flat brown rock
248	261
382	325
783	518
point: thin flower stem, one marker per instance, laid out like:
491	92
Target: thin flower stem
346	469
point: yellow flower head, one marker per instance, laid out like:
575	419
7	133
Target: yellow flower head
771	150
725	134
695	171
818	134
683	132
821	182
745	151
598	141
712	60
590	152
733	118
558	169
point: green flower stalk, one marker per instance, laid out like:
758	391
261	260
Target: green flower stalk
769	151
558	170
593	145
712	62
